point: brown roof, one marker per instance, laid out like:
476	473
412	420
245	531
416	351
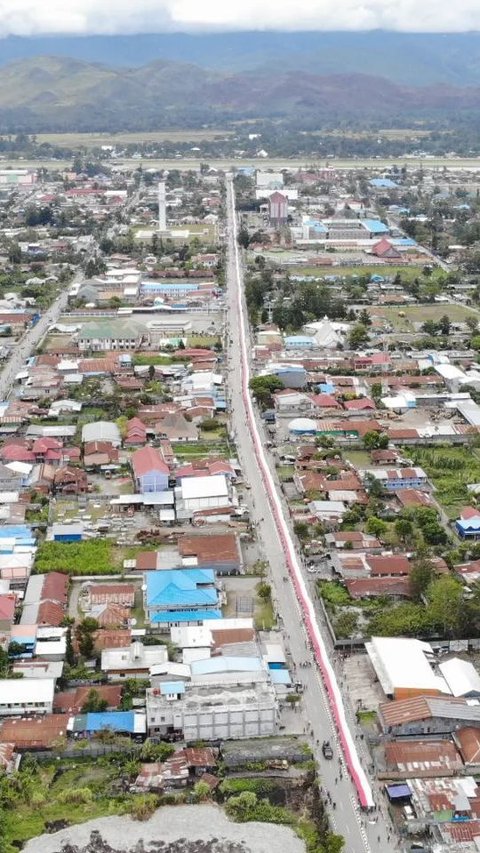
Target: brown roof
396	564
112	616
199	756
37	732
50	613
468	740
401	711
413	497
361	587
432	757
72	701
222	637
112	639
210	548
55	587
113	588
146	561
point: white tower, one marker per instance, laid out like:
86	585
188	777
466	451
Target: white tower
162	207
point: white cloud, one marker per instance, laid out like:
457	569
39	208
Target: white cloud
32	17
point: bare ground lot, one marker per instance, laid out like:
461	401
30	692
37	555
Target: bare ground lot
182	829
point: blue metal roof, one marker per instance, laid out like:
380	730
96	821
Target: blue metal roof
169	687
180	587
119	721
468	523
383	183
374	225
171	616
280	676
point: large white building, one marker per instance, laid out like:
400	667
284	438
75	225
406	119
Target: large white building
21	696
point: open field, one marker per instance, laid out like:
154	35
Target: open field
95	140
403	317
386	270
467	163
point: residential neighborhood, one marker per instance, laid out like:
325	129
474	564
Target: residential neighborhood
144	610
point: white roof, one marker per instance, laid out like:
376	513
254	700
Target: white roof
101	431
26	690
449	371
402	662
191	636
204	487
19	467
302	424
461	677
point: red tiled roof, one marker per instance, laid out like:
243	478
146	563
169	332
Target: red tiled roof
396	564
413	497
55	587
147	459
8	602
72	701
361	587
210	548
358	405
35	732
50	613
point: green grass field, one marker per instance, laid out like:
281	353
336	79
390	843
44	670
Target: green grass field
403	317
387	271
95	140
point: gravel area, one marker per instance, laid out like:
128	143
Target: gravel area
172	829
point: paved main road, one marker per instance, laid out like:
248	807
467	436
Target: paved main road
29	341
346	818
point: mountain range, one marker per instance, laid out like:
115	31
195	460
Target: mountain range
411	59
60	94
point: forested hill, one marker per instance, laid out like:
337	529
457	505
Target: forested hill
412	59
57	94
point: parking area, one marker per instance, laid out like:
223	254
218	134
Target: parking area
360	679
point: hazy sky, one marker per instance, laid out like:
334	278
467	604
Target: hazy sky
33	17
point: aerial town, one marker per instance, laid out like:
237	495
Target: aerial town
199	368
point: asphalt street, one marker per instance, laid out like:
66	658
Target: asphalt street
360	833
28	342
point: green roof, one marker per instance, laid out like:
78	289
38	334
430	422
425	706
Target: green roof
112	329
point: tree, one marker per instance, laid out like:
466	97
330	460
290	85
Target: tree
420	578
445	598
84	634
243	238
444	325
264	591
201	791
430	328
375	440
472	323
94	702
358	336
403	529
364	318
376	527
263	387
239	808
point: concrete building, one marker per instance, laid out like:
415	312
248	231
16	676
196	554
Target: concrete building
181	597
21	696
277	209
133	661
111	335
404	667
150	471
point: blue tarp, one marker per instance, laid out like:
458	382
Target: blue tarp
398	792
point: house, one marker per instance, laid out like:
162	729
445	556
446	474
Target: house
45	600
21	696
425	715
110	615
393	587
401	478
181	596
97	454
73	701
8	603
134	661
468	525
136	433
111	593
385	250
199	494
70	481
10	480
424	758
111	335
123	722
175	427
31	733
405	667
150	470
391	565
101	431
385	457
220	551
